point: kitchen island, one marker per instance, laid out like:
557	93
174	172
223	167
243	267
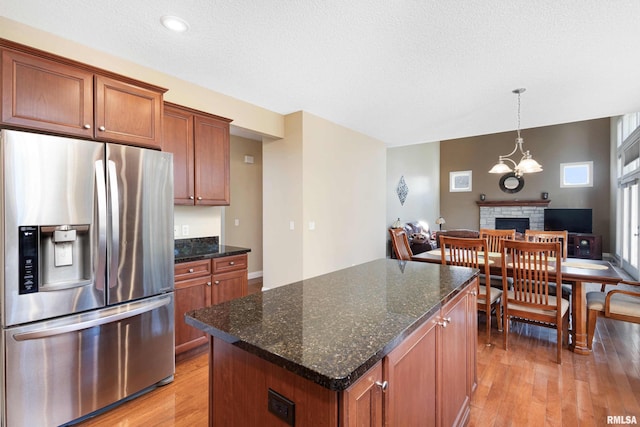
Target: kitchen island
385	338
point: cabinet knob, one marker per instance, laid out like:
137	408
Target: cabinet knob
87	126
208	283
384	385
232	263
199	198
447	319
217	282
191	270
102	128
190	197
443	324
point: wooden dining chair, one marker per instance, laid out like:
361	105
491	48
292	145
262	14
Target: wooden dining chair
530	266
494	237
473	253
400	244
552	236
619	304
549	236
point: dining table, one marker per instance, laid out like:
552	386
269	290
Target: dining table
575	271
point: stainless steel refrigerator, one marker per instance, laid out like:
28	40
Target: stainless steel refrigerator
87	275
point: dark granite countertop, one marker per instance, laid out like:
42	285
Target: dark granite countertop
332	328
203	248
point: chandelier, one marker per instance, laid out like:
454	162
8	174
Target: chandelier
527	164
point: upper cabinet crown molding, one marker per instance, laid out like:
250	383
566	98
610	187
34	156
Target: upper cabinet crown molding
53	94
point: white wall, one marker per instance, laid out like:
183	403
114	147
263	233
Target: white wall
202	221
420	166
332	176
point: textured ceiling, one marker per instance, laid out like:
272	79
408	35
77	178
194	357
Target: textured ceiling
402	71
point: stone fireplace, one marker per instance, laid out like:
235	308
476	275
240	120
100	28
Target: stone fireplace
533	210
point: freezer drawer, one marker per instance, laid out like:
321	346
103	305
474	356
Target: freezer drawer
63	369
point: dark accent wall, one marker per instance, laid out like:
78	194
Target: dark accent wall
550	146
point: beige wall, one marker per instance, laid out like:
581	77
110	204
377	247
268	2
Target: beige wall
420	166
328	175
343	194
246	202
282	205
550	146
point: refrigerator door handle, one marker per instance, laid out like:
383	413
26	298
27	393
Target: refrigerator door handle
115	225
110	315
101	256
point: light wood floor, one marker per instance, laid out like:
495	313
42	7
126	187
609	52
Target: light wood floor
520	387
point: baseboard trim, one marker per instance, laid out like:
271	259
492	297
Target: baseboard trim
254	275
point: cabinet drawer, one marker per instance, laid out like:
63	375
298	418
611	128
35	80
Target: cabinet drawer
229	263
189	270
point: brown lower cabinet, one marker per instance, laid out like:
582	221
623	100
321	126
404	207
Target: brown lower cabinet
427	380
202	283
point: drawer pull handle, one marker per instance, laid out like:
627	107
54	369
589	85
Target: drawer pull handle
191	270
217	282
232	263
384	385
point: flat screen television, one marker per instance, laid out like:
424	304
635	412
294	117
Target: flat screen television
572	220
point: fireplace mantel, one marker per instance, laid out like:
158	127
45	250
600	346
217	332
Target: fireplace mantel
499	203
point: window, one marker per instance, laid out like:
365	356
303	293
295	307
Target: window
577	174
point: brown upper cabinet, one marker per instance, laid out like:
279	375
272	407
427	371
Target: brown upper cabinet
52	94
200	146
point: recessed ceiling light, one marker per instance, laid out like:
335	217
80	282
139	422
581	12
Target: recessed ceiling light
174	23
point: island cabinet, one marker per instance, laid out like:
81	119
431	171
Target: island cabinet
53	94
200	146
203	283
427	380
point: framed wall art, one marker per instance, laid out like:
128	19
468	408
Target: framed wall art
459	181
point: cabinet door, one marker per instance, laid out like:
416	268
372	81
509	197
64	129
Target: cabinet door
177	138
411	370
127	113
211	161
190	295
42	94
228	286
455	362
362	402
472	337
